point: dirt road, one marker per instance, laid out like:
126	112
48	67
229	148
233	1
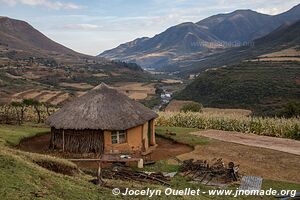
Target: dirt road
279	144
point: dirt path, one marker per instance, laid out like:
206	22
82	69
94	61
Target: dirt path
279	144
165	149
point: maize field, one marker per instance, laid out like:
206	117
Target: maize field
276	127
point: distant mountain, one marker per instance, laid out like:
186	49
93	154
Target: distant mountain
178	40
19	35
206	37
284	37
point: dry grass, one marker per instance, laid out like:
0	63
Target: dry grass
82	86
276	127
136	90
137	95
176	105
31	95
61	98
290	54
286	52
171	81
269	164
279	59
49	96
241	112
12	76
100	75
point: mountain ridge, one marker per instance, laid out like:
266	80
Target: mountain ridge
239	25
18	34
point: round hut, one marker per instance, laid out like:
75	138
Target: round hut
102	120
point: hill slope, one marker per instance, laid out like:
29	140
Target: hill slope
31	61
263	87
17	34
188	40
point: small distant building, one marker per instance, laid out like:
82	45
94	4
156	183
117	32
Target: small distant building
103	121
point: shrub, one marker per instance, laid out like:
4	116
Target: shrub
191	107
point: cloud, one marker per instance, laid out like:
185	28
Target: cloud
55	5
81	26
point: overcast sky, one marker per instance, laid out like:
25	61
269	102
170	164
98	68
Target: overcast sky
93	26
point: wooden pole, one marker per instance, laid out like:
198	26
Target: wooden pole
52	138
99	171
63	140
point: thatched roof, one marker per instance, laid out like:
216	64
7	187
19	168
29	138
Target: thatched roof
101	108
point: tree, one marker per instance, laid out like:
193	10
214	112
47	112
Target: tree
192	107
47	106
20	108
291	109
36	105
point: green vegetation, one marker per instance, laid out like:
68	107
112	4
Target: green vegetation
151	102
12	135
192	107
181	135
22	179
24	175
33	176
291	109
28	110
263	87
276	127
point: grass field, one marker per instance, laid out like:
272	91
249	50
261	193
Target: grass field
22	176
12	135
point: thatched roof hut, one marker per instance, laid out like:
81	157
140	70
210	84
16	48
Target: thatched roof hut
105	111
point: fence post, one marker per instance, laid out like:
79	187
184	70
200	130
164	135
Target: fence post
63	140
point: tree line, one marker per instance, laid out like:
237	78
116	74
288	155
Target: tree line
14	113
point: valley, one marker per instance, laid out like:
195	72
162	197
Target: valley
207	105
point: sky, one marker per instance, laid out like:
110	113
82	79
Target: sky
92	26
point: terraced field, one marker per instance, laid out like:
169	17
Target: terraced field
134	90
46	96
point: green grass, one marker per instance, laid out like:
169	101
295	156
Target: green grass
182	135
12	135
22	178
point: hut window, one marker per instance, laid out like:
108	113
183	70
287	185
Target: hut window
118	137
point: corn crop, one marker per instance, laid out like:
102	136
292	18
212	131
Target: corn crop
276	127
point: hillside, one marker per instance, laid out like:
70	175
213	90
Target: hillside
21	35
34	66
182	44
263	87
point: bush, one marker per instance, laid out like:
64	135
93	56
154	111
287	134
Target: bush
292	109
191	107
